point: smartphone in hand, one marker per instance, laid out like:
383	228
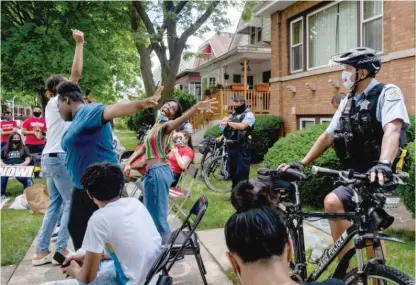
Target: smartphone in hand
60	258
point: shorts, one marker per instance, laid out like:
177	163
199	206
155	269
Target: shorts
346	195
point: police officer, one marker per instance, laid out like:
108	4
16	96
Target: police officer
237	129
366	130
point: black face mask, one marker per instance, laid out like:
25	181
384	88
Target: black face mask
240	109
37	114
16	142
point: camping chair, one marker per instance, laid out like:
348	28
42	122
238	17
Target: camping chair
187	240
183	190
161	262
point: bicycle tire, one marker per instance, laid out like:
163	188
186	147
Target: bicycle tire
212	165
380	271
204	159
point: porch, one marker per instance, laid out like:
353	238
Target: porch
257	101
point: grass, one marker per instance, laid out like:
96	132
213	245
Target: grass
18	228
127	139
400	256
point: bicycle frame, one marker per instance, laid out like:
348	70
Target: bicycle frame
299	268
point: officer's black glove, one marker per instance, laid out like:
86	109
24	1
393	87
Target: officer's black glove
382	170
297	165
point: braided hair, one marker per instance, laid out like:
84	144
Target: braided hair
103	181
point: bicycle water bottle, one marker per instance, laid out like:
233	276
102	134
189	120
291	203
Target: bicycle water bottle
318	251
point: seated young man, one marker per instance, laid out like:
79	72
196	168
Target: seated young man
121	226
265	262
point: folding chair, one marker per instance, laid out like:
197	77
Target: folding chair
161	262
183	190
187	240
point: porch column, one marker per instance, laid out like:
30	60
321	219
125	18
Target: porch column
245	79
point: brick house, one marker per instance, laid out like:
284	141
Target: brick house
305	35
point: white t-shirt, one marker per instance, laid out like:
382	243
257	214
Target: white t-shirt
56	127
126	231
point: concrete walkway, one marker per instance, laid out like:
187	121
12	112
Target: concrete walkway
184	271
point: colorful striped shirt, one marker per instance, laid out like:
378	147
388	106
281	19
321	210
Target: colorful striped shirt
157	143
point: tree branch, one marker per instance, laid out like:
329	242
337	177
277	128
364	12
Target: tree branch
194	27
144	17
180	6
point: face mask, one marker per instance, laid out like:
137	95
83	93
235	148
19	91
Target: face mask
15	141
180	141
347	79
161	118
240	109
37	114
7	118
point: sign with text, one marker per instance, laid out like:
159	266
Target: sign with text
16	171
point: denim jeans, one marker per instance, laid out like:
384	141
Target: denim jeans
26	181
157	180
59	187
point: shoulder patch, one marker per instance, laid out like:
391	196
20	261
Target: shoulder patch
393	94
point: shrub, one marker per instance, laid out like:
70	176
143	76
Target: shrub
293	148
407	192
411	130
147	116
266	132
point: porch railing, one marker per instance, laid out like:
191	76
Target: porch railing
257	101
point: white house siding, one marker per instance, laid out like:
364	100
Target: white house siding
266	30
243	40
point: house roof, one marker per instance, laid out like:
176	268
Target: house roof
262	47
219	43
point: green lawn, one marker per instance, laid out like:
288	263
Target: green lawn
127	139
18	228
400	256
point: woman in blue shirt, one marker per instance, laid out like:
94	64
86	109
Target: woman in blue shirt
89	140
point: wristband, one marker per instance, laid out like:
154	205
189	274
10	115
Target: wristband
385	161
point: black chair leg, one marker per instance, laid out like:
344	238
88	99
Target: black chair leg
201	268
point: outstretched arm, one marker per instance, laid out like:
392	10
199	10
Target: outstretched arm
76	69
320	146
127	108
172	125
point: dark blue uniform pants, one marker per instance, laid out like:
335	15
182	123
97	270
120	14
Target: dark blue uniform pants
238	164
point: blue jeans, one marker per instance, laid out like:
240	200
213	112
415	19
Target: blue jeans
157	180
59	187
26	181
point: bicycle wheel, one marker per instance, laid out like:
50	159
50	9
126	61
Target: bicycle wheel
216	175
383	273
205	159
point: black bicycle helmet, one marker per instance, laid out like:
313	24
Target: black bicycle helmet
361	58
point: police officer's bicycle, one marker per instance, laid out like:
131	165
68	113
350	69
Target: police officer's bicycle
215	172
370	213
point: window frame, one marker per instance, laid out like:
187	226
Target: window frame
259	32
253	32
209	81
362	22
238	74
325	120
304	119
299	19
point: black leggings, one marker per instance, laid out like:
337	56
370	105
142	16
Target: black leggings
82	208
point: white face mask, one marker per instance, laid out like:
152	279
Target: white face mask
347	79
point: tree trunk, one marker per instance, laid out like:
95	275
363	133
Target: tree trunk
146	69
42	99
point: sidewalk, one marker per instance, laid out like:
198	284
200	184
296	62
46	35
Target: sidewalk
184	271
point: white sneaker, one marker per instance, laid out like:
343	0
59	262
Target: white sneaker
42	261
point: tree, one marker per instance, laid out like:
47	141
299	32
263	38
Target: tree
37	43
156	26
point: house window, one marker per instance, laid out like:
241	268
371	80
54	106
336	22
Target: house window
306	123
258	35
236	78
372	24
331	30
212	81
252	35
296	45
324	120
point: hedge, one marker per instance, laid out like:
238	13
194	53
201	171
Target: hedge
411	130
407	192
293	148
266	132
147	116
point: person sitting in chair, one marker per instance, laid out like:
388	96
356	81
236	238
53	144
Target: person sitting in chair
180	155
17	154
122	227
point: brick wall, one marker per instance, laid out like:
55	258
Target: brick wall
398	35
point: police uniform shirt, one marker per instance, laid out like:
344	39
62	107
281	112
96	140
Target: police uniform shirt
390	106
249	118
